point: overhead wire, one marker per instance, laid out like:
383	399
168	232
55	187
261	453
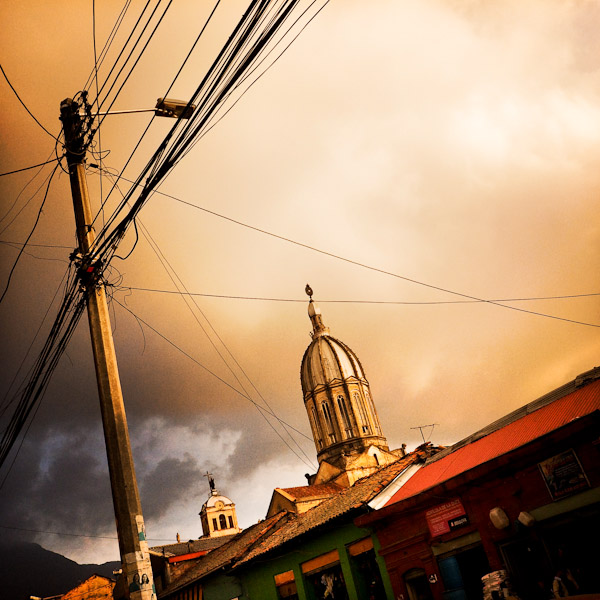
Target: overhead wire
73	302
28	168
5	403
37	220
120	89
123	49
166	93
96	82
338	301
107	45
16	246
380	270
167	154
24	105
84	535
33	391
209	371
29	182
216	119
178	282
13	243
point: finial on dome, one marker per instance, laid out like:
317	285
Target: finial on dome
314	312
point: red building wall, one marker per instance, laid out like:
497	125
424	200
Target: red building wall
512	482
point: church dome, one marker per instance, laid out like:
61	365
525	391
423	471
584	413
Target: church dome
327	360
341	413
218	501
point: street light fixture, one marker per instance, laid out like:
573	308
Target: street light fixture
165	107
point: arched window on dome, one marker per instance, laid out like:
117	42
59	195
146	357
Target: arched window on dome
345	416
215	525
362	411
329	421
373	412
230	522
316	428
222	522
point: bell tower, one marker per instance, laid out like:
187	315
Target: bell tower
341	412
218	515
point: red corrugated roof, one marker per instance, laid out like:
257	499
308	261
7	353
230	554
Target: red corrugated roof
531	426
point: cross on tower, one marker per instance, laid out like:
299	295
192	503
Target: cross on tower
211	481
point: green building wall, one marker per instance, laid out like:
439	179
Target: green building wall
257	578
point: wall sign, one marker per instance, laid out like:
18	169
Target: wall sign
563	475
446	517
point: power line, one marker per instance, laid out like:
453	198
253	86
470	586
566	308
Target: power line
62	330
177	281
57	246
27	168
4	404
24	106
100	104
108	43
391	302
230	67
372	268
31	180
28	237
165	94
83	535
179	349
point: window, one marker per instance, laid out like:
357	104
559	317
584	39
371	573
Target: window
222	522
362	411
373	413
316	428
329	422
230	521
345	416
286	586
215	525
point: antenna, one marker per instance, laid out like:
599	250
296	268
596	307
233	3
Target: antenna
421	427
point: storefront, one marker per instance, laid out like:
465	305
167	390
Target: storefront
516	503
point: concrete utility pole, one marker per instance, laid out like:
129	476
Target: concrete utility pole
135	558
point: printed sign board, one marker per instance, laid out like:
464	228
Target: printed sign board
563	475
446	517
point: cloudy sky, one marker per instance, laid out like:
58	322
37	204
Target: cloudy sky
452	146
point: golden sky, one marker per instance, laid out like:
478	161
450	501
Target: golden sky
449	145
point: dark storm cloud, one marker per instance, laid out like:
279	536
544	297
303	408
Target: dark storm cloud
171	480
61	483
454	142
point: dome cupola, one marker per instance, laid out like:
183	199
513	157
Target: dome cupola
218	514
336	393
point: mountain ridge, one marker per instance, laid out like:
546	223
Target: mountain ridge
27	569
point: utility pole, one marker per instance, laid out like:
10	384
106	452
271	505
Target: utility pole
135	558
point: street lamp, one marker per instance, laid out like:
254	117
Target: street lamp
165	107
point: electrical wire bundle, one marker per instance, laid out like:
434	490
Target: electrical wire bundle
65	323
247	55
263	28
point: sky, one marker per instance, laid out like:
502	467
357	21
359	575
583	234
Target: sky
415	151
